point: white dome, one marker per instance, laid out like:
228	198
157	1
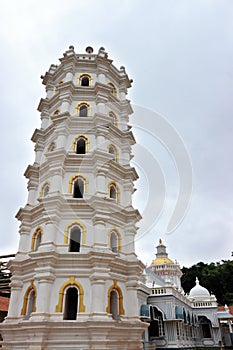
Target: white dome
199	291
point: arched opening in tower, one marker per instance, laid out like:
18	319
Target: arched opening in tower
78	188
83	111
81	146
85	81
114	242
75	239
114	304
71	304
113	192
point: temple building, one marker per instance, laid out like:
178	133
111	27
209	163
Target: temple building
76	280
176	320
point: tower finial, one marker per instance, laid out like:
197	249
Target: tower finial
160	241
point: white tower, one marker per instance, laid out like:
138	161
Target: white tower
75	276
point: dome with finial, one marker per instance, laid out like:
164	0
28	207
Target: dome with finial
198	291
161	255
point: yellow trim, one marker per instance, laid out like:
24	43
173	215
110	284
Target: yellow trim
114	117
76	139
83	231
116	151
71	282
117	190
61	82
114	88
83	103
56	112
39	228
73	178
43	187
85	75
25	299
118	289
114	229
50	145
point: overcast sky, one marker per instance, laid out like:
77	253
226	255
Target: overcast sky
179	54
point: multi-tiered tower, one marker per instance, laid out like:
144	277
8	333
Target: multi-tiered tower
163	266
75	276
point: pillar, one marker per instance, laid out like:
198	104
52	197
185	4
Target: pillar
99	300
15	302
100	234
45	279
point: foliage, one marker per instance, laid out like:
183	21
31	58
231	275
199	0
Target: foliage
216	277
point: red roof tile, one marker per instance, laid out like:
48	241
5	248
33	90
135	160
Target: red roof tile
4	303
222	308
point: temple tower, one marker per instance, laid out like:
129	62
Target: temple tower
75	276
166	268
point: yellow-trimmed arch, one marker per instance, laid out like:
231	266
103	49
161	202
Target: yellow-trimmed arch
118	289
85	75
51	146
73	178
83	103
46	183
115	120
71	282
114	88
56	112
116	151
38	229
25	299
114	229
83	231
79	137
113	183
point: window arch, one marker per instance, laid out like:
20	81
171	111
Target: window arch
85	79
72	283
113	191
51	147
36	238
115	240
78	185
45	189
81	144
83	109
114	304
206	326
115	301
75	239
113	150
71	304
113	89
156	327
113	118
56	112
75	235
29	301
